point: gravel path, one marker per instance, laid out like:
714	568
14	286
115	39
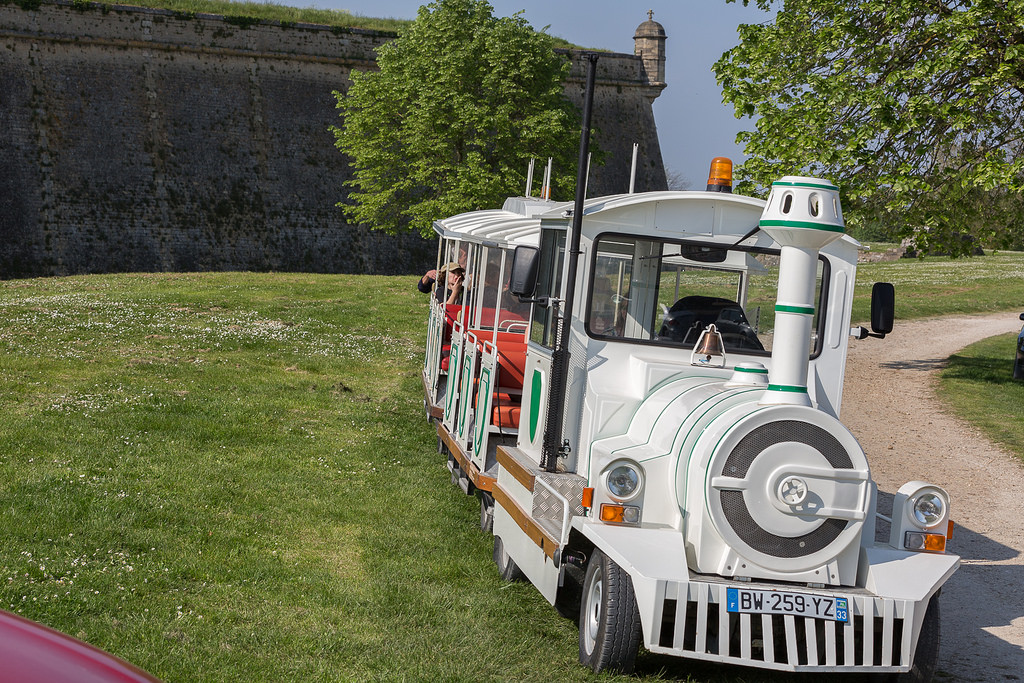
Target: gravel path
889	404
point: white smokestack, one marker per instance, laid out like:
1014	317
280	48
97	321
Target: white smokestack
802	216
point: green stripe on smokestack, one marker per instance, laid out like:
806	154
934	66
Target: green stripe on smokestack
787	388
785	308
800	224
817	186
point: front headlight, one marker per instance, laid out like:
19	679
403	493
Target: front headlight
920	517
624	480
929	508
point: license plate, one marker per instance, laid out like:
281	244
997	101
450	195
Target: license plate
745	600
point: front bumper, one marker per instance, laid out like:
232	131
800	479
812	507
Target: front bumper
685	614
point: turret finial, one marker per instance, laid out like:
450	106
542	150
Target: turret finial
650	15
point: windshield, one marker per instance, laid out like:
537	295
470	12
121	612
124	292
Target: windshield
668	292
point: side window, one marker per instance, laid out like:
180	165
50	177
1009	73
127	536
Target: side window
488	288
609	297
552	256
515	314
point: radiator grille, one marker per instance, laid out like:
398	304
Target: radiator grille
696	624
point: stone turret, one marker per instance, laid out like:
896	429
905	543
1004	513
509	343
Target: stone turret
649	44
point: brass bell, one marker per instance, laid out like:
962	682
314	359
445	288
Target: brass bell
709	350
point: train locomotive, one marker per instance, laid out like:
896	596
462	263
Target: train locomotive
645	394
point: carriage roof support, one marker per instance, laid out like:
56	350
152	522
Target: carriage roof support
552	445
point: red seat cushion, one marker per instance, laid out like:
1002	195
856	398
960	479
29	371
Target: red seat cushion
505	413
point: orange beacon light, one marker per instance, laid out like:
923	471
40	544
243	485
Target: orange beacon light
720	176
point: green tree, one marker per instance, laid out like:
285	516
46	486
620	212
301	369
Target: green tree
913	107
462	100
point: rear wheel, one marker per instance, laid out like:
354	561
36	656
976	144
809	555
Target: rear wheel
609	620
507	567
486	512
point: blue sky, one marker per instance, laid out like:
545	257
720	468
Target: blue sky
693	124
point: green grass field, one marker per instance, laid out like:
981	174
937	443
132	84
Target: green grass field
229	477
978	386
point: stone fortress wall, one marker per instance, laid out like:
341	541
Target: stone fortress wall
134	139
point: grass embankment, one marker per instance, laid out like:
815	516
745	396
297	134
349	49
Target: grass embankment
272	11
285	14
229	477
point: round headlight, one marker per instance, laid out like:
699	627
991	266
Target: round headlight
929	509
623	481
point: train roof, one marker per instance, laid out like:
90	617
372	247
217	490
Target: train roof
519	220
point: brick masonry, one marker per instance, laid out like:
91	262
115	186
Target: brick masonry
143	140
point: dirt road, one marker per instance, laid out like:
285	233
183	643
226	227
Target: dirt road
888	403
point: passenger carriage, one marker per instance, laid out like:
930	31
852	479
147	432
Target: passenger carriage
657	438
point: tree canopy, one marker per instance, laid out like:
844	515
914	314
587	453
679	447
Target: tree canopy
913	107
461	102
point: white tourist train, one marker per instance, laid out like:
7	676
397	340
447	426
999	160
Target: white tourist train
646	399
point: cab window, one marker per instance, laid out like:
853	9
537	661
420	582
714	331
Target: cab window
667	293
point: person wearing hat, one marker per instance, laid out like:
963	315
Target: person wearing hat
456	277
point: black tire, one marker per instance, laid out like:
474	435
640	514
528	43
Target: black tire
609	619
567	602
926	657
507	567
486	512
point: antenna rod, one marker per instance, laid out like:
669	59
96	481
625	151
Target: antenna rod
632	169
553	445
546	192
587	184
529	178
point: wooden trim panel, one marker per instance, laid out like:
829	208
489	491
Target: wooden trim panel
482	481
511	460
543	540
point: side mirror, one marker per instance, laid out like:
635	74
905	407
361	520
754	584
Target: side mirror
525	268
883	307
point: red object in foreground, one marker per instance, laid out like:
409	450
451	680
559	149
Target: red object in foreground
31	652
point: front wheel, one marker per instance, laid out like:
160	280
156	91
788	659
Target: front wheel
609	619
926	657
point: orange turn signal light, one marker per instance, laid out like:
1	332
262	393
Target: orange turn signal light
935	543
588	498
619	514
917	540
612	513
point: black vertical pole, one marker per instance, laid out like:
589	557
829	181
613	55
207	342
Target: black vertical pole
560	358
